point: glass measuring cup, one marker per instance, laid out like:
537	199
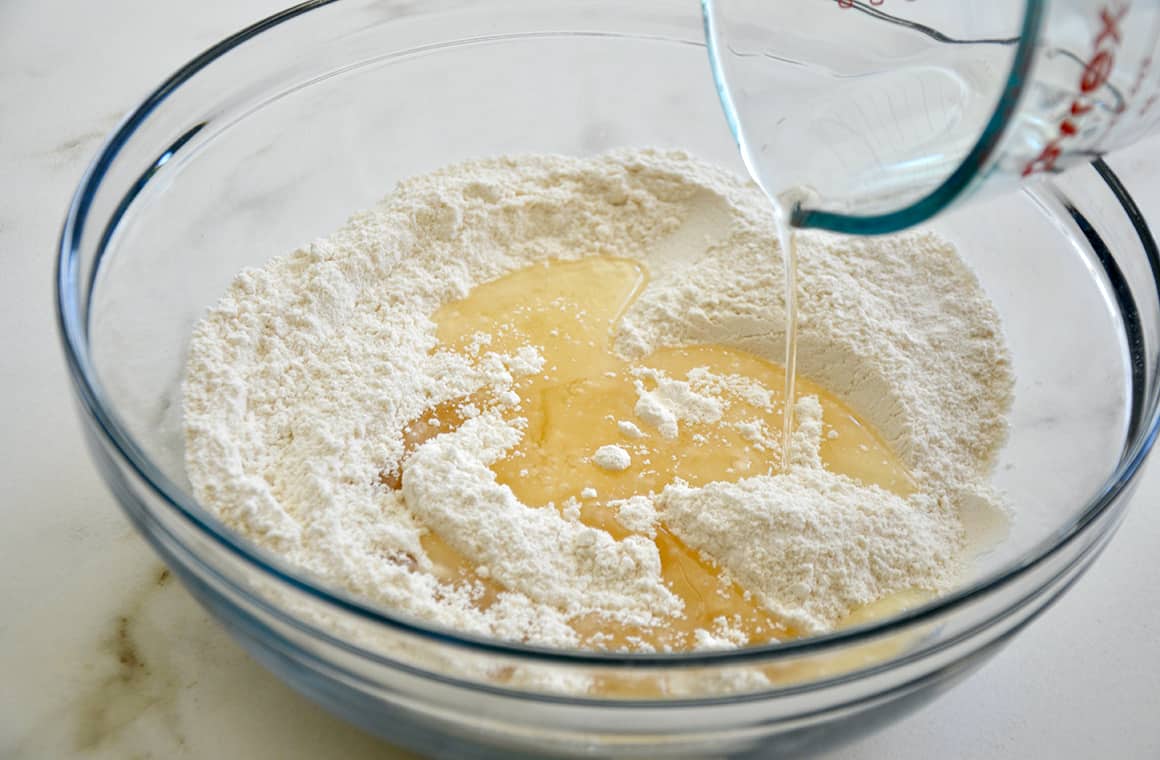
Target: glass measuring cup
869	116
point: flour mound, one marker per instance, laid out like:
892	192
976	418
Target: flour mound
302	380
813	544
531	551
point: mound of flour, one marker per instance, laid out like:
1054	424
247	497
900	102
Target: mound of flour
302	379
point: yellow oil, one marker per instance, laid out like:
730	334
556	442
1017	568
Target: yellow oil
569	311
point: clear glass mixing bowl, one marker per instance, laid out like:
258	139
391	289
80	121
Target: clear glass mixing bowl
274	136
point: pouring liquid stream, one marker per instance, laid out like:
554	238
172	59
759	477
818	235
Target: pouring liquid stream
787	239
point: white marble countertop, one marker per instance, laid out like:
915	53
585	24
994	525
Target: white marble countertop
102	657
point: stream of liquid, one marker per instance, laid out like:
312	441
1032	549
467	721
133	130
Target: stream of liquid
569	311
787	238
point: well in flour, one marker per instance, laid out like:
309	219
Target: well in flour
329	420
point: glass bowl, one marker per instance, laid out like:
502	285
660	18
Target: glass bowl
274	136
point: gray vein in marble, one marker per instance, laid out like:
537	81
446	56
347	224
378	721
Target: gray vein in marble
123	683
138	683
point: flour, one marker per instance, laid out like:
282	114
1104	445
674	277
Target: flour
811	544
637	514
612	458
670	401
629	429
448	486
303	381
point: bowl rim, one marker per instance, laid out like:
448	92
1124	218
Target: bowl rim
72	327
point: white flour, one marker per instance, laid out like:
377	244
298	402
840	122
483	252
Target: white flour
303	378
613	458
812	545
671	401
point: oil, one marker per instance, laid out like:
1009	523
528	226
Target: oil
787	239
569	311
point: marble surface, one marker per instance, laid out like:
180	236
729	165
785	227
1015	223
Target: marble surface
103	656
